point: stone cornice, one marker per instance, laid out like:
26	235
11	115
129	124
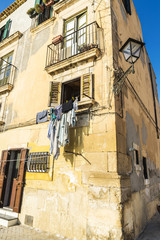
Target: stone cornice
43	25
11	9
73	60
10	39
62	4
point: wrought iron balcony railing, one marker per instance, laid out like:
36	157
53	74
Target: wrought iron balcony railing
82	40
7	71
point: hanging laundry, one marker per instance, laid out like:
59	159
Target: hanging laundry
75	104
58	112
52	113
42	117
58	129
56	136
51	134
66	107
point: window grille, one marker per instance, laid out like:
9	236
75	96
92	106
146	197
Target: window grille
38	162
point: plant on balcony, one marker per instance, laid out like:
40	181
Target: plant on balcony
86	47
32	12
57	39
39	8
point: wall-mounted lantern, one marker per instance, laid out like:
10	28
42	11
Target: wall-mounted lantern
131	51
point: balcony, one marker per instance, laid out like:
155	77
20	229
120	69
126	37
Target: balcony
7	71
79	46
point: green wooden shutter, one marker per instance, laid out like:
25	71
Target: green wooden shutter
51	11
6	31
37	2
54	94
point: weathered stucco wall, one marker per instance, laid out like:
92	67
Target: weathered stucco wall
135	124
102	186
86	186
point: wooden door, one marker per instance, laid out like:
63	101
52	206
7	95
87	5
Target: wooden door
19	182
2	173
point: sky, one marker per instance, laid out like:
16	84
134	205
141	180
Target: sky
149	15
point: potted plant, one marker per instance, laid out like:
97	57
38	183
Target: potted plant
32	12
57	39
39	8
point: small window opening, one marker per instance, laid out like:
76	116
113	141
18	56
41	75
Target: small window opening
127	6
70	90
137	156
145	168
38	162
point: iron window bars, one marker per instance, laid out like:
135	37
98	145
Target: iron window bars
7	71
38	162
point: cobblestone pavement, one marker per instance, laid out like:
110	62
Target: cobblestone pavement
20	232
152	229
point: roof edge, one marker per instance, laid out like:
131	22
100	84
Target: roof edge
10	9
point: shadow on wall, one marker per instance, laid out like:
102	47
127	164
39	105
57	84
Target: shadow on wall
76	145
29	46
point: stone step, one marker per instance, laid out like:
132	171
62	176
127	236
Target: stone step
6	211
7	221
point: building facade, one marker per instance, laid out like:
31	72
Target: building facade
105	182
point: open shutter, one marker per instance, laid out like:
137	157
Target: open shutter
55	90
51	11
6	31
2	171
19	184
37	2
86	86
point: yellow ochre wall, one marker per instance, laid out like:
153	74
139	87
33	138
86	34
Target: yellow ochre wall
91	195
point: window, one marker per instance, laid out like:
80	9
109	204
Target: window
75	38
137	156
70	90
82	87
5	68
38	162
127	6
145	172
4	31
2	107
47	13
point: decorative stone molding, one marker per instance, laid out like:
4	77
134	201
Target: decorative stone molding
9	40
62	4
6	88
72	61
43	25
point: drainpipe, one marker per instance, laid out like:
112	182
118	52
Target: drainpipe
154	101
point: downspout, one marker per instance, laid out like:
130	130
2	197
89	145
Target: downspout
154	101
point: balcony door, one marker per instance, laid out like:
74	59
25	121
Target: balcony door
5	68
74	34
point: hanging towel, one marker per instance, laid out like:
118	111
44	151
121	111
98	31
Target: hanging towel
42	117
